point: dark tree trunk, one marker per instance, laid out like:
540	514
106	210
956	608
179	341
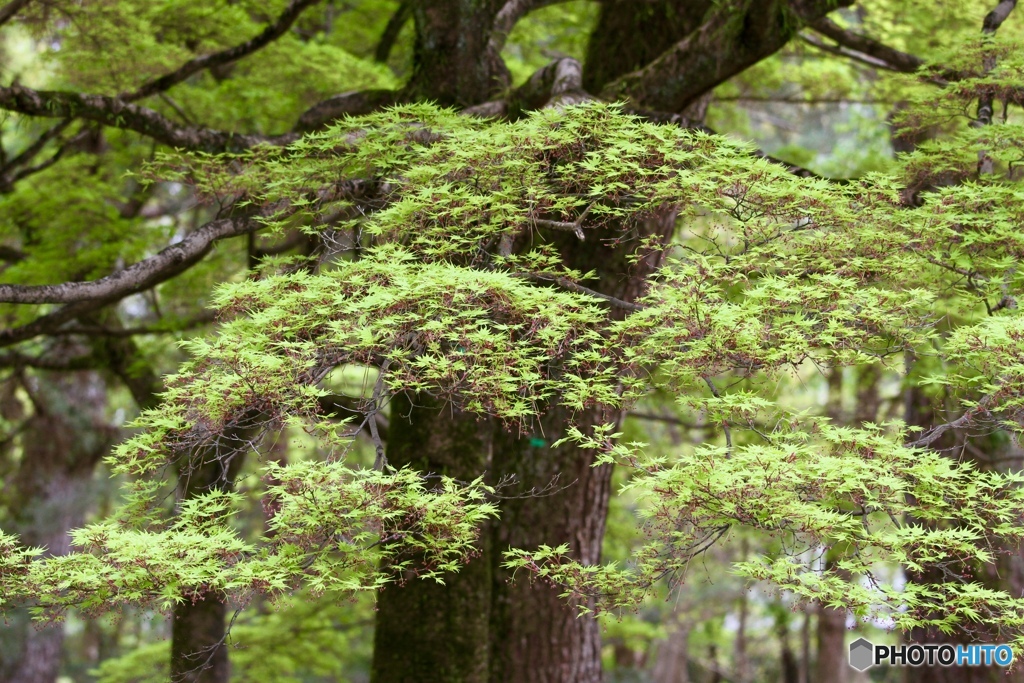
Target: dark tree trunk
427	631
451	63
199	652
538	636
431	633
1006	574
614	48
62	442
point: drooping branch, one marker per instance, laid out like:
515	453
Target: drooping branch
722	47
269	34
116	113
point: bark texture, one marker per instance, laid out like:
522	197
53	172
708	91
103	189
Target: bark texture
63	440
199	652
427	631
451	61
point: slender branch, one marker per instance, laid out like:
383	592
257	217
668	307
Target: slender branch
391	31
893	59
576	227
269	34
380	461
856	56
668	419
964	420
566	283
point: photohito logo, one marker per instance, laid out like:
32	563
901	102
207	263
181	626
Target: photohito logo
865	654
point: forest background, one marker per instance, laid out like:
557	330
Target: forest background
393	341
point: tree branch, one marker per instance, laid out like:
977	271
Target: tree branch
117	332
723	46
391	31
993	20
136	277
116	113
856	56
353	103
566	283
269	34
507	18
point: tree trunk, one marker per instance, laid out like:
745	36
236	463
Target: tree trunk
672	660
427	631
451	63
538	636
614	49
199	652
61	444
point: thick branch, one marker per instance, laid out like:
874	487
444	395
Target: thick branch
722	47
16	359
117	113
995	18
134	278
559	83
269	34
119	331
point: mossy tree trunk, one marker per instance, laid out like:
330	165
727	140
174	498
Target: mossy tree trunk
427	631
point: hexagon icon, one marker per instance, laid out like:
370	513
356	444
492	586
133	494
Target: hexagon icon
862	654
